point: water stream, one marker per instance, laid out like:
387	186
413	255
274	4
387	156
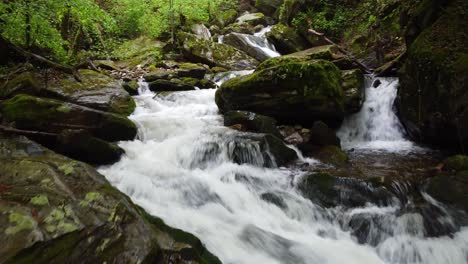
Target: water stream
181	169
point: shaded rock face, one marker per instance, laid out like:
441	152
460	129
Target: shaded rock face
354	90
214	54
286	39
50	115
432	97
301	92
57	210
269	7
252	122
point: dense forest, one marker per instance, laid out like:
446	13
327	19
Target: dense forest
234	131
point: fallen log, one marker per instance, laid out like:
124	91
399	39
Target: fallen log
343	50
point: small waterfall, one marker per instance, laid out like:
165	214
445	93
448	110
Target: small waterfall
376	126
256	45
215	182
220	78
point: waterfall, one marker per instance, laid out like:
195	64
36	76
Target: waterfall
376	126
182	169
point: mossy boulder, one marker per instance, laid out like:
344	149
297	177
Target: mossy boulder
96	90
252	19
276	147
456	163
214	54
26	83
330	191
51	115
162	85
131	87
327	52
433	98
331	154
57	210
450	189
225	18
301	92
354	91
286	39
252	122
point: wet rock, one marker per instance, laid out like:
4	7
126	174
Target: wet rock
169	85
330	191
24	83
51	115
252	122
322	135
131	87
296	92
432	98
331	155
96	90
354	92
456	163
295	139
450	188
57	210
191	70
81	145
274	199
241	42
286	39
214	54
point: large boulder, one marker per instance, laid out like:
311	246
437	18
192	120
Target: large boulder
433	101
57	210
215	54
51	115
286	39
95	90
301	92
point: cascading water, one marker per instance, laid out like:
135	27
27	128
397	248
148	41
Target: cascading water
376	127
182	169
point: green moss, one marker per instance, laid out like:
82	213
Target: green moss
64	108
90	198
68	168
457	163
39	200
20	222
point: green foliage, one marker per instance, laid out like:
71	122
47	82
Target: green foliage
53	25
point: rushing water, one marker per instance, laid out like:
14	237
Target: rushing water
181	169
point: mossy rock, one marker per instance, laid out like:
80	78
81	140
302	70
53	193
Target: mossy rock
57	210
96	90
450	189
24	83
131	87
269	7
286	39
327	52
332	154
301	92
214	54
330	191
225	18
172	85
50	115
432	94
354	90
252	19
456	163
253	122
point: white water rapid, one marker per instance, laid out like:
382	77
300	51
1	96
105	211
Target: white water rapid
181	169
376	126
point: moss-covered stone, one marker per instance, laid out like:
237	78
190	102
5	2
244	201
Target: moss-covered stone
131	87
286	39
433	98
450	189
214	54
50	115
252	19
353	86
26	83
300	92
253	122
332	155
456	163
52	216
327	52
225	18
